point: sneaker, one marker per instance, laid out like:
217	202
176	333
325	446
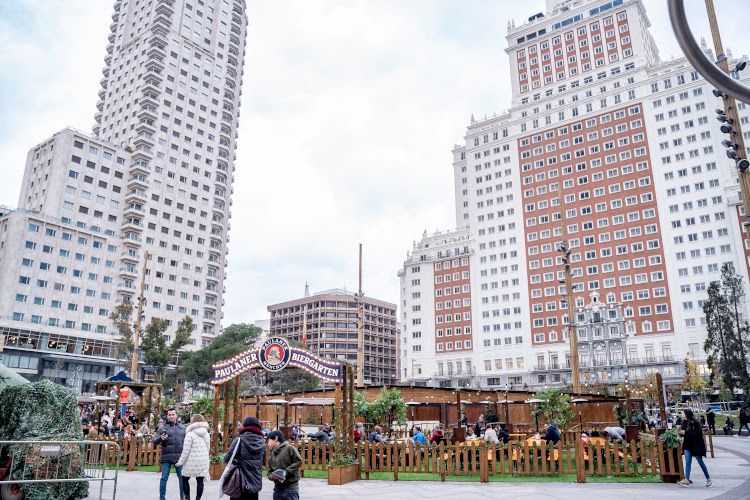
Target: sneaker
709	483
684	482
689	481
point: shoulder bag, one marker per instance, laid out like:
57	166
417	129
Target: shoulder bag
230	482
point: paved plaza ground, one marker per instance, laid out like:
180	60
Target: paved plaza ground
730	471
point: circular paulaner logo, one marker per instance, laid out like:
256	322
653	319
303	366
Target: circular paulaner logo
275	354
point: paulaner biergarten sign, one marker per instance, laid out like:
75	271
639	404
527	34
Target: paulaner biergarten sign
274	355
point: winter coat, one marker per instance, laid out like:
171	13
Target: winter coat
693	438
171	448
285	456
195	450
249	458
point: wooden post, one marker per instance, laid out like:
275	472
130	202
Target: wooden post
237	411
662	402
225	427
338	407
342	406
215	423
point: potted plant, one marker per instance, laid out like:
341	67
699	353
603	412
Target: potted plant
671	442
343	469
216	466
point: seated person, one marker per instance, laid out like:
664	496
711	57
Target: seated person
320	436
376	436
615	433
728	426
551	434
438	436
490	435
502	434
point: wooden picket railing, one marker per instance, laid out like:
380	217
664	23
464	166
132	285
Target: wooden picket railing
636	458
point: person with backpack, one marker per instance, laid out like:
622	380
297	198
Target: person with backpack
250	457
693	446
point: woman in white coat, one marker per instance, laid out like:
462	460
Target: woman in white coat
195	453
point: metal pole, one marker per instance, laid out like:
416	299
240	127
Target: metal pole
137	332
697	58
730	108
575	377
360	328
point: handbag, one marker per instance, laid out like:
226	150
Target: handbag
230	482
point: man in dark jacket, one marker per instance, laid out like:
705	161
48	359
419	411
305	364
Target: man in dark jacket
170	436
711	420
250	457
283	467
552	433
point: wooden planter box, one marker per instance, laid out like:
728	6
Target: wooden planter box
338	475
216	470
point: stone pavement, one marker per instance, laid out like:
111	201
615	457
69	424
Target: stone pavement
730	471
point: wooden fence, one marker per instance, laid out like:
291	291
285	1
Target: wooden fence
636	458
569	456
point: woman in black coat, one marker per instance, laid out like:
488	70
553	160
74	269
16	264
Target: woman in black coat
693	445
250	458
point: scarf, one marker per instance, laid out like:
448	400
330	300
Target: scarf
251	428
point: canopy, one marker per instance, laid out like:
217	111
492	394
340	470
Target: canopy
534	400
277	401
312	401
120	376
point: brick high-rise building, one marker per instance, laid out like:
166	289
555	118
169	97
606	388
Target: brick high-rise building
329	319
156	177
617	152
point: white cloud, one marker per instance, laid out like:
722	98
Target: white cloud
350	110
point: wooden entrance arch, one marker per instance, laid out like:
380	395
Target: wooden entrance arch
276	354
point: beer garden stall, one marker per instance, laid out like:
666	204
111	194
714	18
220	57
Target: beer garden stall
276	354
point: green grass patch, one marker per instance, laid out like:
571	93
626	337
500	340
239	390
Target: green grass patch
504	478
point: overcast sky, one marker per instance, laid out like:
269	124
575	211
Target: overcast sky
350	110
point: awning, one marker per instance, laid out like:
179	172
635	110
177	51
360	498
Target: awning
312	401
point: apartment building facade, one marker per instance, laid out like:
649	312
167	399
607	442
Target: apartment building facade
328	320
616	152
153	182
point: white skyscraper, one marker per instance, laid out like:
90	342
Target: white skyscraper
156	177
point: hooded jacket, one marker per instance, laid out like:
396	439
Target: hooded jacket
250	458
171	448
195	450
285	456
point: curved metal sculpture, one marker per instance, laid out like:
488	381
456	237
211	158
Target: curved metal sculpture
698	59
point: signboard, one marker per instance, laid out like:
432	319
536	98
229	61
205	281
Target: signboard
274	355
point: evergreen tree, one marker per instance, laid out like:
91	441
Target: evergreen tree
726	329
156	352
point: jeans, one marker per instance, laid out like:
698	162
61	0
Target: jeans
744	426
689	463
165	469
123	410
186	487
290	492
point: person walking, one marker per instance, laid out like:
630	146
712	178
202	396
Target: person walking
193	460
711	420
283	467
170	437
250	457
744	421
693	445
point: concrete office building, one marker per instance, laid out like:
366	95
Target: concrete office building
155	179
617	152
329	319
